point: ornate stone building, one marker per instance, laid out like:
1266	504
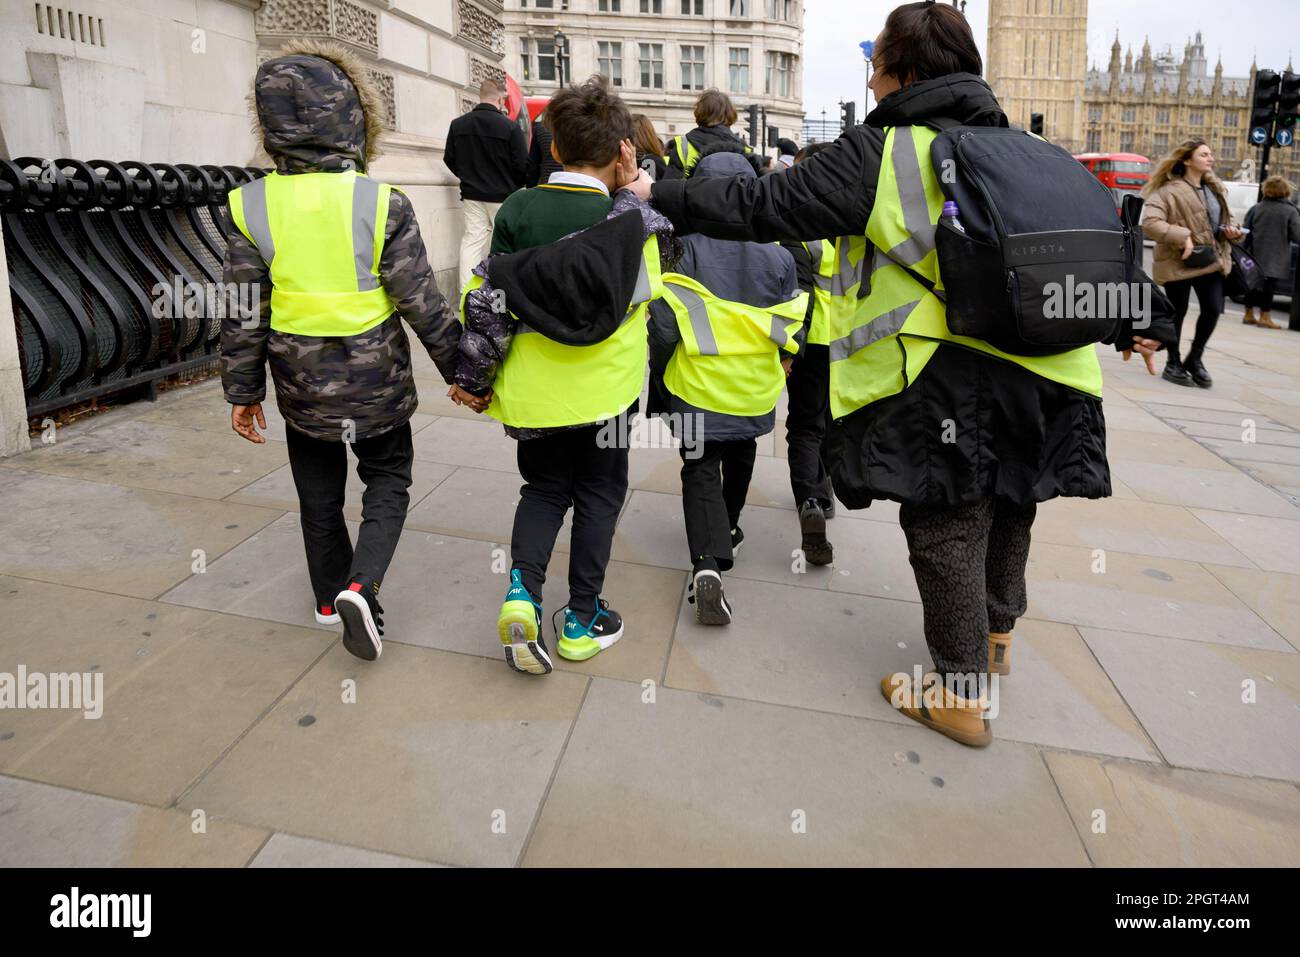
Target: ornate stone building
1037	56
1149	104
660	54
166	82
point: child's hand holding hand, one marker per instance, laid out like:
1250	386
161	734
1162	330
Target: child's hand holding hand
461	397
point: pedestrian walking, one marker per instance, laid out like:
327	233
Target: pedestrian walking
1186	214
487	153
1273	224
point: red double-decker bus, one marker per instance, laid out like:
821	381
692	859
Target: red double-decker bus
1121	173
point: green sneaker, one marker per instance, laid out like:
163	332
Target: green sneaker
519	628
579	641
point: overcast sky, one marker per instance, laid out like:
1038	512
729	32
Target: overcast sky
1266	29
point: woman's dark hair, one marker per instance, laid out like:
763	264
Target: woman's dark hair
922	41
714	108
588	123
644	137
812	149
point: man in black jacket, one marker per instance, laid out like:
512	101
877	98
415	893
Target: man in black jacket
488	155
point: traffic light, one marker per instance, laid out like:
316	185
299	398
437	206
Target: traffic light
753	124
1267	85
848	116
1036	123
1288	100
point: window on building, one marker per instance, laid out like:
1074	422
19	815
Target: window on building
610	6
1094	141
780	69
692	8
1128	115
546	59
1160	144
525	58
692	67
543	4
1162	117
1094	114
1231	118
652	65
1126	142
739	8
609	61
652	6
1229	149
790	11
738	69
1196	118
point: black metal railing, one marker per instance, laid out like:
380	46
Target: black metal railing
103	259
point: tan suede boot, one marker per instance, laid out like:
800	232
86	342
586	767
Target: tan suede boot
939	709
1249	317
999	653
1266	321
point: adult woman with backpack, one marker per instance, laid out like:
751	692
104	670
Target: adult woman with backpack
1274	224
1186	213
966	437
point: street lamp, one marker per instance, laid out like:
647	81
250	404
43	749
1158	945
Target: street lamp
559	55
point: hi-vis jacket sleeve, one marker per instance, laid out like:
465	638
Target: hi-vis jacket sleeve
829	194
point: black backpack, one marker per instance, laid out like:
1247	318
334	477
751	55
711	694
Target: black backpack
1043	264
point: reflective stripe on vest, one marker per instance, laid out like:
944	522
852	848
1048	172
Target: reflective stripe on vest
687	156
825	261
321	236
544	384
729	356
884	325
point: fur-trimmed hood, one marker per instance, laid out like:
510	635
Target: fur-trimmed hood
316	109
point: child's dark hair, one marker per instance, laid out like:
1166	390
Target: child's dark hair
588	123
812	149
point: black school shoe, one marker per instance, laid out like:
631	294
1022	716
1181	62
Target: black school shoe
1196	369
812	526
737	538
358	606
1175	373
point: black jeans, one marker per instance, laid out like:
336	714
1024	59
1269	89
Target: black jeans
714	486
564	470
320	472
806	425
969	562
1209	296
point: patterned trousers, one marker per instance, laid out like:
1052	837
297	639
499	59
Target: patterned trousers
969	562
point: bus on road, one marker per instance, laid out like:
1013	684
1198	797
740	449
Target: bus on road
1122	173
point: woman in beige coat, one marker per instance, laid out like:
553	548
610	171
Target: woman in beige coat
1186	214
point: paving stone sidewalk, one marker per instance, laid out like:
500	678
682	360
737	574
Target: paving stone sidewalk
1156	687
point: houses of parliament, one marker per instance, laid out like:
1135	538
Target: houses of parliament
1037	63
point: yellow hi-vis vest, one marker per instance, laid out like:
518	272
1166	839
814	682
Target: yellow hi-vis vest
685	152
822	252
321	235
545	384
729	356
885	326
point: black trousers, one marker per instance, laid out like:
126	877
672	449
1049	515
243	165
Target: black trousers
807	424
969	562
566	470
1263	300
320	472
714	486
1209	296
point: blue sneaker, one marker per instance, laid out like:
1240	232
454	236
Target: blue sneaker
580	641
519	628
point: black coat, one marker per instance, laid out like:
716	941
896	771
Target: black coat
541	164
1012	434
487	153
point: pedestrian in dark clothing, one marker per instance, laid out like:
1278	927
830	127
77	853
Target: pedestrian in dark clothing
487	153
541	161
714	116
1274	224
649	147
330	321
